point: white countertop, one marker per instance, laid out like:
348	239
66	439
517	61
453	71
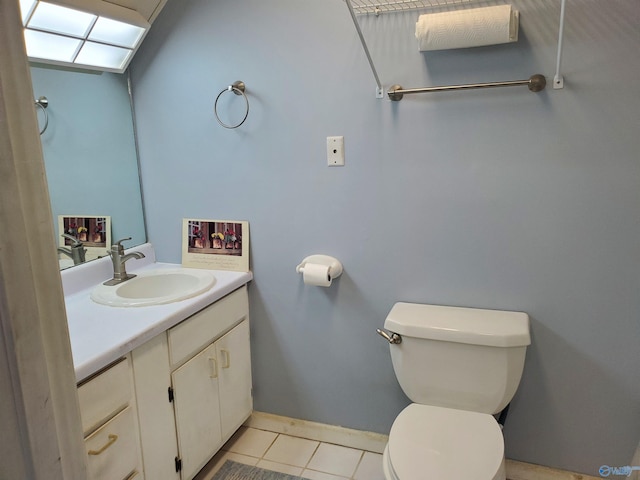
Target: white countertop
101	334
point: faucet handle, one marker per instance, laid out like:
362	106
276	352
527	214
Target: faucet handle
119	242
76	242
117	246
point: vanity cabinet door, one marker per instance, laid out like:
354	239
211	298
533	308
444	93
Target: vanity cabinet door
234	361
194	385
112	450
109	418
105	394
202	328
155	410
197	410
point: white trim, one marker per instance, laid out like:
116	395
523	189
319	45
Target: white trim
528	471
371	442
44	438
375	442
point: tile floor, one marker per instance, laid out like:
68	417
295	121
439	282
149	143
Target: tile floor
296	456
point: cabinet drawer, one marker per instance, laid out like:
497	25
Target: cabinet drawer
104	395
198	331
112	450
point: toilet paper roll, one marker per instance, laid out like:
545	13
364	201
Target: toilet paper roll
314	274
467	28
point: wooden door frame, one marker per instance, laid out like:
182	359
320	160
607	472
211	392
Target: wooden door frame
42	434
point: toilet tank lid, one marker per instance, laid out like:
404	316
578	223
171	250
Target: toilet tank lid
495	328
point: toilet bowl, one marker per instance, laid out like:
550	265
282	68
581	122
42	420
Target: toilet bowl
460	367
428	442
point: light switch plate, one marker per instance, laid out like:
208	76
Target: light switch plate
335	151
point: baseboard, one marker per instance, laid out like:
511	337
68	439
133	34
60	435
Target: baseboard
529	471
375	442
371	442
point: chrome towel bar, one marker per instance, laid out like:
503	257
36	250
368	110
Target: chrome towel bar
536	83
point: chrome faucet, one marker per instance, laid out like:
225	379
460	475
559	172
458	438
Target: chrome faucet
118	258
76	252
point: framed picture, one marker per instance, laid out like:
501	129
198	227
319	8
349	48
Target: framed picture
215	244
94	232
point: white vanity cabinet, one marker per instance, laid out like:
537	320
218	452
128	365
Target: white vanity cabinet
110	424
212	397
193	386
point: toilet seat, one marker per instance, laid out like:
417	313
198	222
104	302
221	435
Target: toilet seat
443	443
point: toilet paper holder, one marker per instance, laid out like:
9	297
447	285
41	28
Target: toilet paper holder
335	267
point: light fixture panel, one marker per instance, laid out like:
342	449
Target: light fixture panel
104	56
26	7
62	20
47	46
103	38
114	32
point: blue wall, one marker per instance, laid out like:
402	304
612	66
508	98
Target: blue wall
496	199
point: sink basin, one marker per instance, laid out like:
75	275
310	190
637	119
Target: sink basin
155	287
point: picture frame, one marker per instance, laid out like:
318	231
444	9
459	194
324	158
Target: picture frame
215	244
93	231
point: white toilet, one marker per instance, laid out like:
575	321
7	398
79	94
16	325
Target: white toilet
459	366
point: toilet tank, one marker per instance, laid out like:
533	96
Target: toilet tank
464	358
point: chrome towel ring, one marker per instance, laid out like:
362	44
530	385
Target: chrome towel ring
238	88
43	103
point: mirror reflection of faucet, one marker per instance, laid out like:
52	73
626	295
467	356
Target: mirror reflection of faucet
118	258
76	252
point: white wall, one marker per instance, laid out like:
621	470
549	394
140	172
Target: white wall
497	199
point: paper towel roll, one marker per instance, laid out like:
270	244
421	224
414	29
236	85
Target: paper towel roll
467	28
314	274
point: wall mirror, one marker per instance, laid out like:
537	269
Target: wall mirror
90	152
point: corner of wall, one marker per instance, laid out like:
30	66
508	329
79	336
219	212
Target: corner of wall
635	461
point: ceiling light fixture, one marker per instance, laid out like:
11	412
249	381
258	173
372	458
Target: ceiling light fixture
89	34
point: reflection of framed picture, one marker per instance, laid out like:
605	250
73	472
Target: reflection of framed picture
215	244
94	232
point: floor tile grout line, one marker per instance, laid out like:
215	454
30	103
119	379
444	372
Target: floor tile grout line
315	440
288	464
309	461
331	473
270	445
306	466
358	465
